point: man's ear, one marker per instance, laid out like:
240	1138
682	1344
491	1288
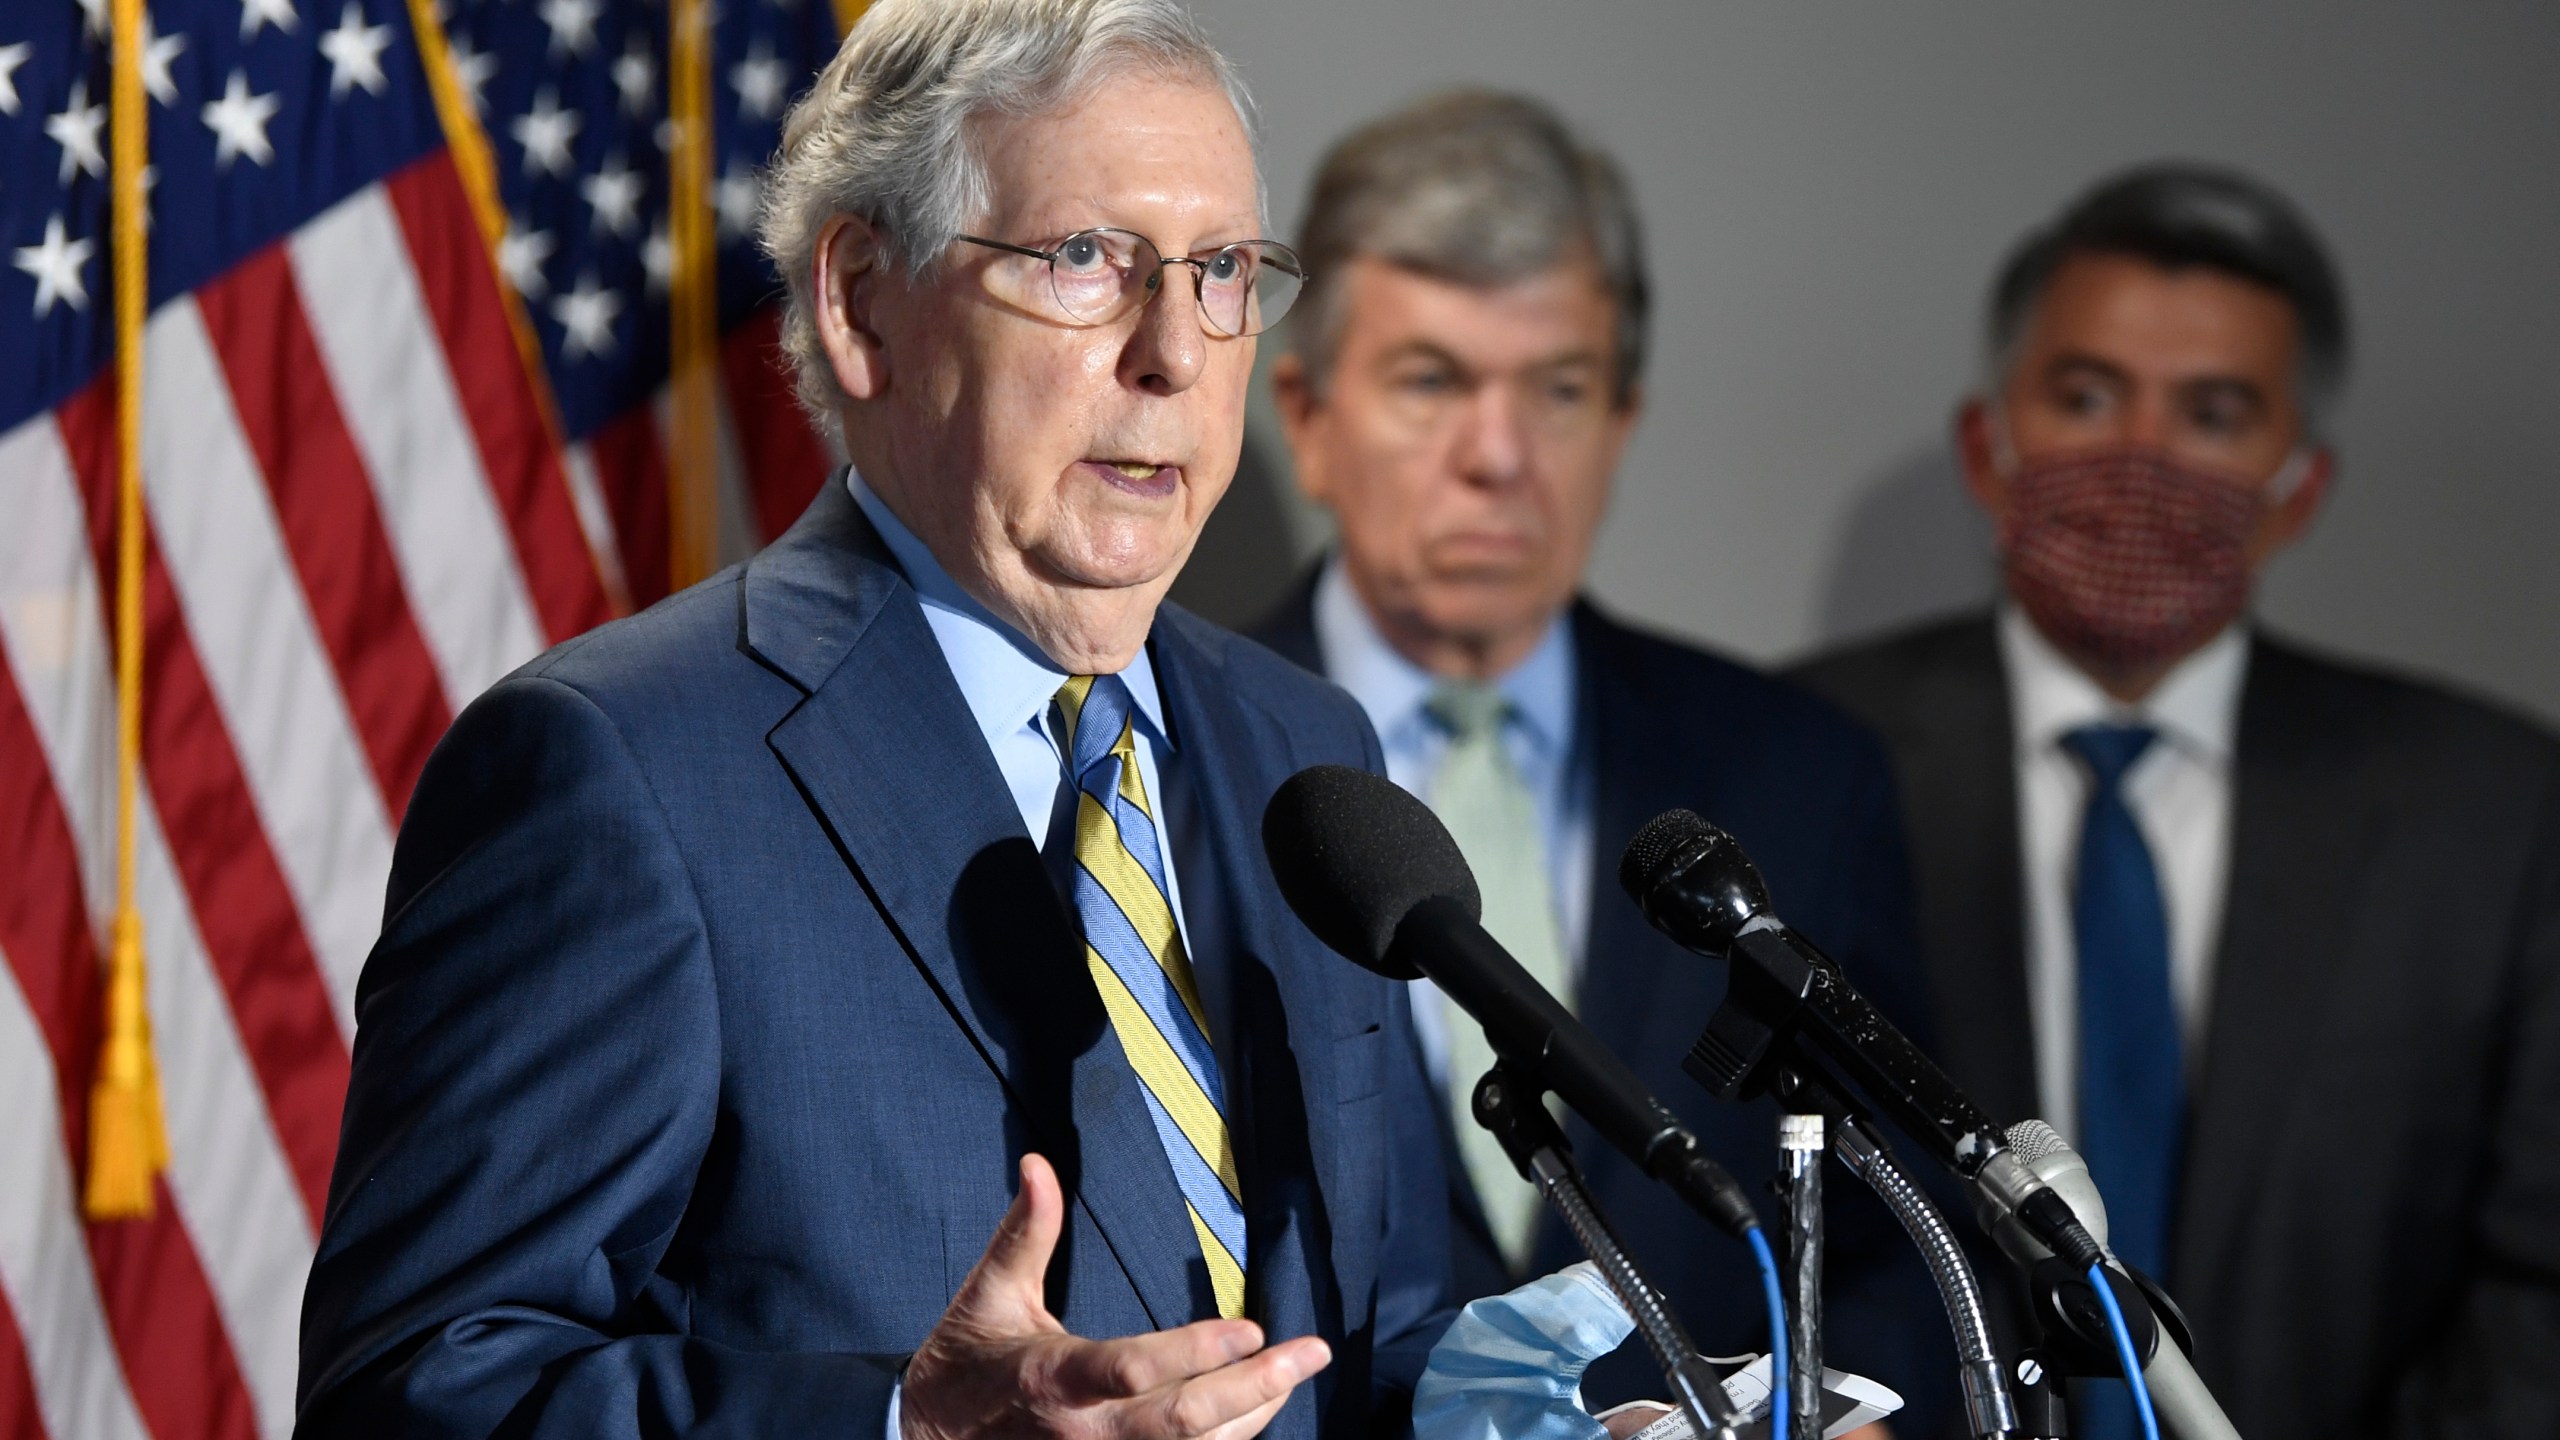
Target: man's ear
1622	423
1293	394
1977	453
2293	514
849	266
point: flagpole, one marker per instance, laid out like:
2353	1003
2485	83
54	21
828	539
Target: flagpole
694	300
476	168
128	1139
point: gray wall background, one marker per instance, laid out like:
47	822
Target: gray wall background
1827	188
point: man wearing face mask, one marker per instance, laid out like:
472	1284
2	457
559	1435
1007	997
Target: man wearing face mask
2272	939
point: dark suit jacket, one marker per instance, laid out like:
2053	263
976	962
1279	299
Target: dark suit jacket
721	990
1809	793
2368	1234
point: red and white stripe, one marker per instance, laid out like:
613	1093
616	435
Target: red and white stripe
357	520
331	576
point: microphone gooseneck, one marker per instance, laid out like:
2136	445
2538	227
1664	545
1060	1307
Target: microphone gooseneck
1989	1408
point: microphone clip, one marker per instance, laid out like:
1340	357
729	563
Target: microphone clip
1767	985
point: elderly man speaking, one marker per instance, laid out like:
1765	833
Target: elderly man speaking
751	962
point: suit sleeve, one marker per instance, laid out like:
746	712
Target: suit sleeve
536	1080
2496	1372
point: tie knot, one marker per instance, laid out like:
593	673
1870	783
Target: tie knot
2109	750
1472	710
1095	712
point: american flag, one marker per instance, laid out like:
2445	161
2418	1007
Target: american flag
403	426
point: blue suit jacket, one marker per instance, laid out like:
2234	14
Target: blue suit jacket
1810	794
721	989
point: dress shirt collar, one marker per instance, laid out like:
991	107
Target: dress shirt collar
1395	691
1006	680
2196	707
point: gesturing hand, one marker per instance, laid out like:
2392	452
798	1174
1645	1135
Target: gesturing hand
998	1364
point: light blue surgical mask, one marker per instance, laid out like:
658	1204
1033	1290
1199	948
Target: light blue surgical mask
1511	1367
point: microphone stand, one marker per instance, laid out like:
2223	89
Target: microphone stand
1800	1147
1786	1010
1511	1106
2067	1335
1802	1084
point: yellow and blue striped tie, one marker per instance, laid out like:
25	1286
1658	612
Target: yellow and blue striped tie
1136	955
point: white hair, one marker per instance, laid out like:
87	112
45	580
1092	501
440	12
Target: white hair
886	132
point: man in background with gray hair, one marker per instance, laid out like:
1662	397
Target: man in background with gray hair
850	999
2273	940
1463	374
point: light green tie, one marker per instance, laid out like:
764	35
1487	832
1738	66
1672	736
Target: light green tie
1480	795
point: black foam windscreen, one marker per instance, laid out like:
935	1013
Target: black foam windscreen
1354	854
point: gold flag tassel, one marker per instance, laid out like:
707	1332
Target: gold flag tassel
128	1142
693	459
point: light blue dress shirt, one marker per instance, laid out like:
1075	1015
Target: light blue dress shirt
1008	685
1541	736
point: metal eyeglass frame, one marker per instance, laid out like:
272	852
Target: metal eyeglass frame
1272	250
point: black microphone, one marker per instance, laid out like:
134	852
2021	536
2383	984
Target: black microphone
1375	875
1695	884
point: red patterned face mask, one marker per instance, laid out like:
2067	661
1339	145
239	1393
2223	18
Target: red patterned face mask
2126	556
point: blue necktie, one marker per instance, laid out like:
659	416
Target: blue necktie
2132	1086
1134	951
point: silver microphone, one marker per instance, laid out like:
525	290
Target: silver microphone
2043	1152
2177	1393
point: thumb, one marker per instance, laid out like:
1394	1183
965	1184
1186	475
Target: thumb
1004	1290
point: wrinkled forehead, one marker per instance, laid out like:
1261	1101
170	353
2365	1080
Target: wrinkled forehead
1135	145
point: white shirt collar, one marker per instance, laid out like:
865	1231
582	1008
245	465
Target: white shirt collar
1006	680
2195	707
1395	691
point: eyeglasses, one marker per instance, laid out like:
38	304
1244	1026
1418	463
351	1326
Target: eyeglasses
1098	276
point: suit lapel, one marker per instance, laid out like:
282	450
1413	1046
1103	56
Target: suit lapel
2302	827
1219	734
889	756
1618	990
1961	799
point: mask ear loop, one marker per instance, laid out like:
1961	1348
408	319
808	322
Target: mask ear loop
1995	426
2290	475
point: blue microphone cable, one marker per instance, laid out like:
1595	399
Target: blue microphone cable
2124	1352
1781	1403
